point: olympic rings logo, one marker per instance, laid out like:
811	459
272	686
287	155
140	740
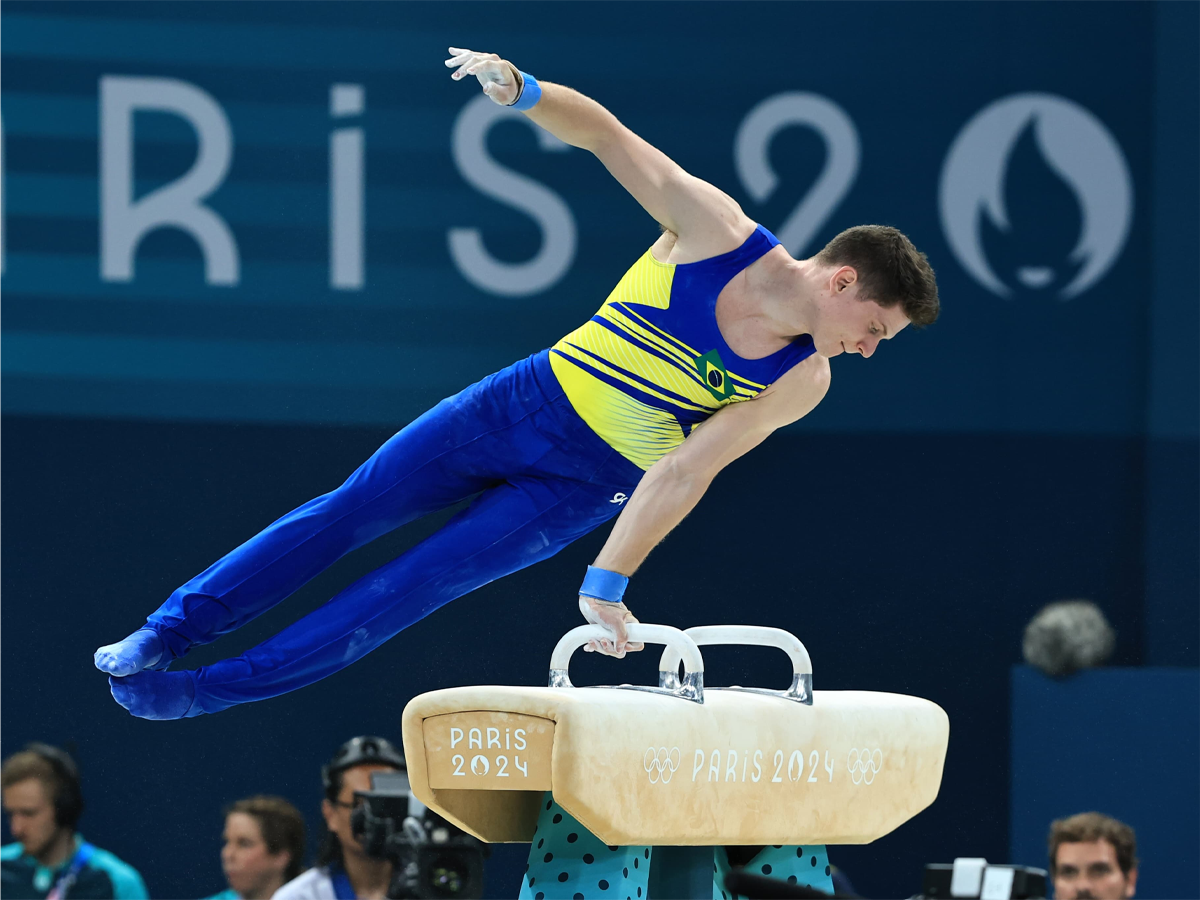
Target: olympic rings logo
661	763
864	765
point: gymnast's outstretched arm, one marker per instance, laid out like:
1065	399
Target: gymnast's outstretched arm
674	485
706	220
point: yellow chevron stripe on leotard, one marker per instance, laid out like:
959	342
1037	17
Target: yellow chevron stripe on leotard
636	385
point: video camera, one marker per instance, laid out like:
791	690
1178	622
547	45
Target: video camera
971	877
966	878
431	858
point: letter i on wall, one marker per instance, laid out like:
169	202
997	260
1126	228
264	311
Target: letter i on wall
346	178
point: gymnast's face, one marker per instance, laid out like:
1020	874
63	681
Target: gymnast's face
31	815
847	323
1089	869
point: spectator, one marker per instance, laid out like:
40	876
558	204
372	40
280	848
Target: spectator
343	868
263	848
43	799
1093	856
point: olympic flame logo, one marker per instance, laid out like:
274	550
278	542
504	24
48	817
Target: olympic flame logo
864	765
661	763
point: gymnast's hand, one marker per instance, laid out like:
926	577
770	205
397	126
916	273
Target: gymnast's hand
498	76
154	695
614	617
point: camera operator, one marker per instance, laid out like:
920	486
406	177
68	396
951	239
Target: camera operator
1093	856
343	869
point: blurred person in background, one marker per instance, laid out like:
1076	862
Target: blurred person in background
1092	856
43	800
263	847
343	869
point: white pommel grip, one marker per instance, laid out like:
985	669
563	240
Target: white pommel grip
677	642
757	635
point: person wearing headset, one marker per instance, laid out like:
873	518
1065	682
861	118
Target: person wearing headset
43	801
343	870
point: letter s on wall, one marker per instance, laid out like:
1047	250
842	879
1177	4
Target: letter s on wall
468	143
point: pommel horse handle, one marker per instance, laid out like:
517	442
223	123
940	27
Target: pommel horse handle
678	643
758	635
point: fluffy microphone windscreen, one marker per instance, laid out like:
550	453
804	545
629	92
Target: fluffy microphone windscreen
1067	636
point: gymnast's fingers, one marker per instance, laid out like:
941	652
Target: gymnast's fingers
632	646
486	70
465	63
459	56
463	66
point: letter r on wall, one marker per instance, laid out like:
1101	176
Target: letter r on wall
124	220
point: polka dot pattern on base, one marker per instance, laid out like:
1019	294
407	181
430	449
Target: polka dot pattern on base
806	865
576	864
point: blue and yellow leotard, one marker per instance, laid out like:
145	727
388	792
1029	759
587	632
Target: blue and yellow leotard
651	363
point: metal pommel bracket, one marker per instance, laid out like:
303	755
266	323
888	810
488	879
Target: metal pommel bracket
757	635
683	648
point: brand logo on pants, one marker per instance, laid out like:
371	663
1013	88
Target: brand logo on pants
618	498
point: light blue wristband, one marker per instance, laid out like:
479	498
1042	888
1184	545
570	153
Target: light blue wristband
601	584
531	93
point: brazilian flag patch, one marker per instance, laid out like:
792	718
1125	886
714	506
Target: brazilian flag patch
716	378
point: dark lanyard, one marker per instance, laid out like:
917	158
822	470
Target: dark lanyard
342	889
67	880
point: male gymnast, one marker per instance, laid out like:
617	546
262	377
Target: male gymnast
715	324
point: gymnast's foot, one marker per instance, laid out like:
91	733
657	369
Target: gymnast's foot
141	650
155	695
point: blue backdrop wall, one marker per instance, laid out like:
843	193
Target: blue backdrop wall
242	244
1068	734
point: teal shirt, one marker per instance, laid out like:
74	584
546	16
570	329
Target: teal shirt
227	894
105	877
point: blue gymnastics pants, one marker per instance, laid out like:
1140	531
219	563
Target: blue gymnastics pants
543	479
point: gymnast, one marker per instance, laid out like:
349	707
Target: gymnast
716	325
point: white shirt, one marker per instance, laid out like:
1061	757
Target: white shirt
312	884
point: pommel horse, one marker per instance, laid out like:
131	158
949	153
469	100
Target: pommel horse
595	777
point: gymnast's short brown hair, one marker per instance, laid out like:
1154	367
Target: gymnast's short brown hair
891	271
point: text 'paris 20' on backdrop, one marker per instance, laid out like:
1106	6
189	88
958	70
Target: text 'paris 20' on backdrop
240	214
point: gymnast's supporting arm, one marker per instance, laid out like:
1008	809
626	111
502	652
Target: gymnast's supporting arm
674	485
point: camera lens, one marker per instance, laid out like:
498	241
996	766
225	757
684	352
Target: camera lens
446	877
